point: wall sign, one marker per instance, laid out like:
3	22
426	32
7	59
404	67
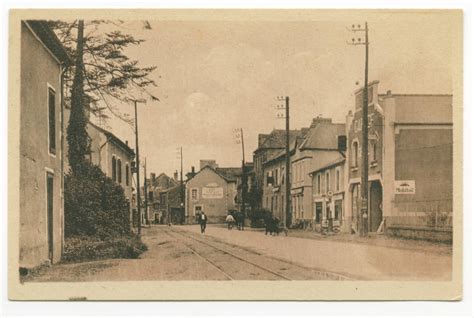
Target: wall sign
212	193
404	186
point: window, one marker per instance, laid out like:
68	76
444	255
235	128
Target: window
328	185
374	151
319	183
194	194
355	154
52	121
119	170
114	169
127	175
50	211
338	179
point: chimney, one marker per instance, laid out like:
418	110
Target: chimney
193	170
126	142
389	93
152	177
175	175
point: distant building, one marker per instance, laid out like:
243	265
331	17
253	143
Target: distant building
43	59
155	186
170	205
114	157
410	163
213	191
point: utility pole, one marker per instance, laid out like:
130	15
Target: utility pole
181	190
244	178
287	217
239	139
138	166
363	215
145	189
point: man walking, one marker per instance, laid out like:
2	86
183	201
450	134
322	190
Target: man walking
230	221
203	221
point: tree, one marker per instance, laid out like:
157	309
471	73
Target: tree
110	75
76	130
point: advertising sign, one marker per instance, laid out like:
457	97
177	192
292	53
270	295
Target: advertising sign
212	193
404	186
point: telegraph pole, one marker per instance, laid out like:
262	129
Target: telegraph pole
363	215
244	179
181	190
145	189
287	217
138	166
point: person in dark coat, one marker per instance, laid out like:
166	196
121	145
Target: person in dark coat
203	222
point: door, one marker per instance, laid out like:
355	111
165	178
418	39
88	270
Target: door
319	212
375	209
50	212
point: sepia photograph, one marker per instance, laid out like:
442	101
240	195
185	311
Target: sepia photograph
186	152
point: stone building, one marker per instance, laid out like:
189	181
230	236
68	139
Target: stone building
113	156
410	163
213	191
41	131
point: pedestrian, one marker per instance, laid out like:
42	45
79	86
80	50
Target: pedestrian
230	221
203	221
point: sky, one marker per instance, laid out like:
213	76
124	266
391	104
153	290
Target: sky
216	76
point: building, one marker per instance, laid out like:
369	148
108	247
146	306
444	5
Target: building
269	145
328	195
155	187
43	60
319	148
274	186
114	157
213	191
410	163
170	205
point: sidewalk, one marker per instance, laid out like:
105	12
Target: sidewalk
363	260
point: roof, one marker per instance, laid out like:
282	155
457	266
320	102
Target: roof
230	174
114	139
294	141
50	40
422	108
276	139
323	135
331	164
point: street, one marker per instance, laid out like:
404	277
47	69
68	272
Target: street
182	253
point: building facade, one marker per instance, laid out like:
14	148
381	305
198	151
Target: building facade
318	148
213	191
328	195
269	145
410	164
114	157
41	145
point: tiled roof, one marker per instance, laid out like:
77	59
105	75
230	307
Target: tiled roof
323	135
277	138
330	164
230	174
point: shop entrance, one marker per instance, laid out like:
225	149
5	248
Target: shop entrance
375	209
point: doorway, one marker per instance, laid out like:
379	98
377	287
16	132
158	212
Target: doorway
50	212
375	209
